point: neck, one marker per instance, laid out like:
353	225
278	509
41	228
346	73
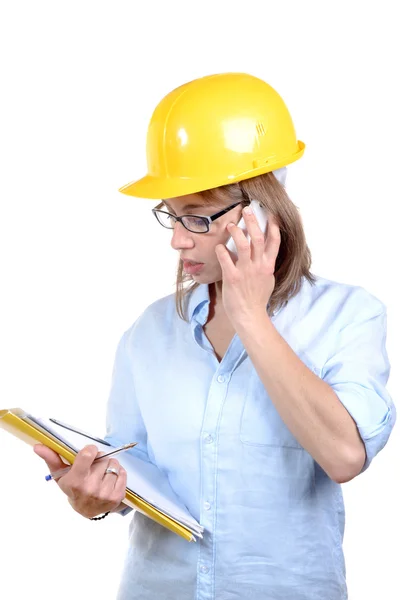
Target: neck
215	291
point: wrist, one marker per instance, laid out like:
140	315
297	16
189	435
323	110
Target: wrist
119	508
99	517
251	322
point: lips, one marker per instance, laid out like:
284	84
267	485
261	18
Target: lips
192	267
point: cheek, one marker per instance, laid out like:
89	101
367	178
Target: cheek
209	256
221	236
212	254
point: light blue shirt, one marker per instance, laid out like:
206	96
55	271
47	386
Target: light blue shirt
273	519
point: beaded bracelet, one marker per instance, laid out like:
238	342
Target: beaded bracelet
98	518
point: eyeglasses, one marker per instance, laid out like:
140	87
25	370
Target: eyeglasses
193	223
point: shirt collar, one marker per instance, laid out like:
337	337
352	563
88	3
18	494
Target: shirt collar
201	296
197	299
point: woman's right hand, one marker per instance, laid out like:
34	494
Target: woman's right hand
90	490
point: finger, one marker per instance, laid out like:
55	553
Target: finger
108	487
51	458
119	491
257	237
110	479
83	462
227	266
241	242
273	240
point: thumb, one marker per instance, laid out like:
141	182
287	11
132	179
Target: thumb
52	459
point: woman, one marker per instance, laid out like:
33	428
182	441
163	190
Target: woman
258	388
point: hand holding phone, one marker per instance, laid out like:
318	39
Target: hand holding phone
262	220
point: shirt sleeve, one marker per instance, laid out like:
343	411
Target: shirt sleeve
124	421
358	371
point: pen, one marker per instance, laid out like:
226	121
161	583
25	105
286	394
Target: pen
91	437
64	471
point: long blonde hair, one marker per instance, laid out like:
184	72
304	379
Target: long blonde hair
294	257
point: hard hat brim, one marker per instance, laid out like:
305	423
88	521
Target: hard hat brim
158	188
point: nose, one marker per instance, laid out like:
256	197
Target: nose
181	238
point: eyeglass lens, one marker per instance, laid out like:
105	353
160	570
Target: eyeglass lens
194	224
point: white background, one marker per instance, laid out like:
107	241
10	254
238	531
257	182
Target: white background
80	261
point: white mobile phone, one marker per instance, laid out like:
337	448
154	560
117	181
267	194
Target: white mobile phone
262	219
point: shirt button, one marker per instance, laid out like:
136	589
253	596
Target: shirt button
204	569
220	379
208	439
207	506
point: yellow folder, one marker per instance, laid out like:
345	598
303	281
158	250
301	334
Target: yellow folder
18	423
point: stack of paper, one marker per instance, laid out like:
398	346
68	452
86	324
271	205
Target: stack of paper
148	489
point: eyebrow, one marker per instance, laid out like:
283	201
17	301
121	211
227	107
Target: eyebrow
189	206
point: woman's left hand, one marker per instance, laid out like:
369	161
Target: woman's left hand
248	284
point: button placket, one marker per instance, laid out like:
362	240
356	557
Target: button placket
216	398
209	462
209	458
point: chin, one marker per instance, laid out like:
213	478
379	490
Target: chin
200	278
207	278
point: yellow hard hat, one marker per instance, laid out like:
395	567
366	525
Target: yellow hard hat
214	131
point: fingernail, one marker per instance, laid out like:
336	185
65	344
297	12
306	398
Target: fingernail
248	210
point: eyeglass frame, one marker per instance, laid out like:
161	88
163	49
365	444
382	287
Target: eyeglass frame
206	220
